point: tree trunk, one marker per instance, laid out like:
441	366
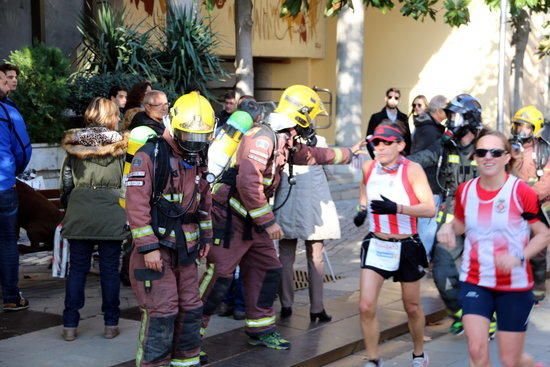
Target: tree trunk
522	28
349	95
244	67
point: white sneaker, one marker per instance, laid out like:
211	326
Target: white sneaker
372	364
420	361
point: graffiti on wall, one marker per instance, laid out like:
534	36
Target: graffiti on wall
273	36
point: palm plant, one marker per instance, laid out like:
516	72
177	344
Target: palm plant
109	44
185	60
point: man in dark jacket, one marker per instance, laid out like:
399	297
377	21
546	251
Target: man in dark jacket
392	113
428	130
15	153
229	106
145	124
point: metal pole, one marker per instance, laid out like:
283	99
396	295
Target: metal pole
502	64
329	265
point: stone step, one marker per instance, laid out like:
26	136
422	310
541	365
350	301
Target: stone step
313	344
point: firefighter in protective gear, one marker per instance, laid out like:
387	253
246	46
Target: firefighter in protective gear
244	222
531	152
454	163
168	208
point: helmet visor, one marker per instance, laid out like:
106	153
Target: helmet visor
455	120
522	130
192	142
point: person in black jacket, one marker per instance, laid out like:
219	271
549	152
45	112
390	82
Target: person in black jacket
392	113
429	129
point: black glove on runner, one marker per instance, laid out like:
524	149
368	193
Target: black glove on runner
384	206
360	218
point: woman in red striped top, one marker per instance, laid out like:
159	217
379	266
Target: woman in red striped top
497	212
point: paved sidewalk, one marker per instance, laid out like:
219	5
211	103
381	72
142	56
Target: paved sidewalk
446	350
452	351
33	337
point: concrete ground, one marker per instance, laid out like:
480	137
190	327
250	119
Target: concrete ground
446	350
44	346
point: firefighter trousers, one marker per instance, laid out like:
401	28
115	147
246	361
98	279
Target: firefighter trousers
260	272
171	311
446	274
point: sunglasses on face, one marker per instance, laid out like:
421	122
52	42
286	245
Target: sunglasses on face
417	105
394	97
495	153
377	142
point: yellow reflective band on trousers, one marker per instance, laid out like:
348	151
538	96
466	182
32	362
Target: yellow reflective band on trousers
206	279
173	198
185	362
338	156
238	207
202	331
189	236
266	321
448	219
256	213
142	232
141	336
453	158
205	224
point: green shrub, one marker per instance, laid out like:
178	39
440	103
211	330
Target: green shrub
180	59
42	91
84	88
109	44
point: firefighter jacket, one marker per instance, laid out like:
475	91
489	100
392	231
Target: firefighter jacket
454	164
533	166
185	186
258	162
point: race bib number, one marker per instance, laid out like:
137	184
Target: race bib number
383	255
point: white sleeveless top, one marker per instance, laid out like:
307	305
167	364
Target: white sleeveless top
492	227
396	187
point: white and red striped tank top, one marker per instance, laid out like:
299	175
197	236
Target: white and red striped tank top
493	227
396	187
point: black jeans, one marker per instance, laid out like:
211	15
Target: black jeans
79	265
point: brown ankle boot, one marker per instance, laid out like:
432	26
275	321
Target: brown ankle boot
69	334
111	332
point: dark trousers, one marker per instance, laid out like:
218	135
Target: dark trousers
235	296
9	256
79	265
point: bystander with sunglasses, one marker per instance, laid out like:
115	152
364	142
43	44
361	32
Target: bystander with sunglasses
498	215
392	113
419	105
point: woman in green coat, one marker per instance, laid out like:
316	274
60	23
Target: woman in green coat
91	178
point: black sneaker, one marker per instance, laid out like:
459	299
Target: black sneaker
20	304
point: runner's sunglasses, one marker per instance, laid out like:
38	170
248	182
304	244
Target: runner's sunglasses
495	153
376	142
